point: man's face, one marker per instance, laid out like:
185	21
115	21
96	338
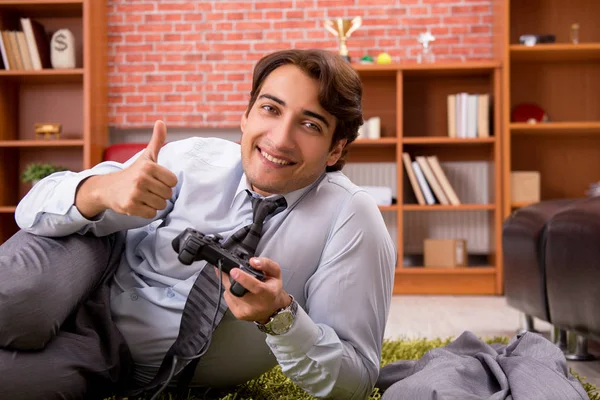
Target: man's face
286	138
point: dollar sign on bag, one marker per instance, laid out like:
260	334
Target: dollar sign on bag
60	43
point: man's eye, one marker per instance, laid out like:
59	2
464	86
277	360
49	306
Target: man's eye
312	126
269	108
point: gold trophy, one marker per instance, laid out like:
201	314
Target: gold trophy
343	28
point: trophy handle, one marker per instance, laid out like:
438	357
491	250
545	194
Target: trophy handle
356	23
329	26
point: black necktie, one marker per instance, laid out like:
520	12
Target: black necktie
199	309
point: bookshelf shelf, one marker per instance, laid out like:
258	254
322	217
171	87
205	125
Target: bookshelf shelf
441	140
446	281
468	69
43	8
375	142
420	270
377	69
444	68
552	52
53	76
575	128
439	207
391	208
7	209
42	143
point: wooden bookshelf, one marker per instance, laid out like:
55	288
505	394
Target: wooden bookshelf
77	98
563	78
411	100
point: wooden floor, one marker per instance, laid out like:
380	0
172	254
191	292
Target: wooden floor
485	316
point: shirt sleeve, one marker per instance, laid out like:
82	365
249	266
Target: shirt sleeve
333	350
49	208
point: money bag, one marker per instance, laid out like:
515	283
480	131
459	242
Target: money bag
62	49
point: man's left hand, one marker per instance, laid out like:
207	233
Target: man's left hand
263	298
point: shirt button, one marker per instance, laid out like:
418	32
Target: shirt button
170	293
134	296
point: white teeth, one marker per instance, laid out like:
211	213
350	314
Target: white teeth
274	159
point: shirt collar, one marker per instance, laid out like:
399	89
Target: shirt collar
291	198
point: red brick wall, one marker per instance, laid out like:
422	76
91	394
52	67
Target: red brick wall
189	62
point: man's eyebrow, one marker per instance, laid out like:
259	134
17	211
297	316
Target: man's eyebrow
305	112
271	97
317	116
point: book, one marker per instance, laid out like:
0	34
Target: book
423	184
483	115
451	104
23	51
434	163
413	179
4	52
38	43
468	115
13	48
431	180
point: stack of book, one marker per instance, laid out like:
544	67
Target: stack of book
468	115
428	180
27	50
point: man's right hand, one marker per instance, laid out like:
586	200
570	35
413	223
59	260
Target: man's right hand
139	190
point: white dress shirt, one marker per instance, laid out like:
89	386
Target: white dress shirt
336	256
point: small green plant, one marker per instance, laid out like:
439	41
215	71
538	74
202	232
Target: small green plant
36	171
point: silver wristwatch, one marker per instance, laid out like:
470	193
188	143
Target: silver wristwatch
281	321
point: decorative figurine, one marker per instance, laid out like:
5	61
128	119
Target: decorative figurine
426	55
45	131
342	28
575	33
384	58
366	60
62	50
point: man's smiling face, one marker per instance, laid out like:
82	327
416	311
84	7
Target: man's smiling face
286	136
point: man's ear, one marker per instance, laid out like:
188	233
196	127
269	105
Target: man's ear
244	120
336	152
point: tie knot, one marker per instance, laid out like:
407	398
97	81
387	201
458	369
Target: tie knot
264	207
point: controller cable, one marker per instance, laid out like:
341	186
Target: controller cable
205	347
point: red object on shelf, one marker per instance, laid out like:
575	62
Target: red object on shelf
528	112
122	152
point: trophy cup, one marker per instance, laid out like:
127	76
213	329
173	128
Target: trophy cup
426	55
343	28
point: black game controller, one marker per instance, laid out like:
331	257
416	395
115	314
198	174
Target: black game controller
192	245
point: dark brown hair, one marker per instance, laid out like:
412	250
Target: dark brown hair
340	89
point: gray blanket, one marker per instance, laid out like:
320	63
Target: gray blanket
530	367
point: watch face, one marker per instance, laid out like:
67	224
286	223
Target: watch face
281	322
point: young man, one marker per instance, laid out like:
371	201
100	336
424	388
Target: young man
326	254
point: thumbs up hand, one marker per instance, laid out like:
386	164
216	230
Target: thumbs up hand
139	190
145	186
159	136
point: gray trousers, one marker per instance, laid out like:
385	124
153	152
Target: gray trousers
57	338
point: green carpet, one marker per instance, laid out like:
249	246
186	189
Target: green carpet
274	385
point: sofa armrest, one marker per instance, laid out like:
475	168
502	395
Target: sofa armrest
573	267
523	252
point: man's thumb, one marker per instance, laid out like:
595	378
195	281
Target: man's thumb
159	135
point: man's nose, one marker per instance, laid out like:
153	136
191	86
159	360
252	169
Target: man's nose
282	135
